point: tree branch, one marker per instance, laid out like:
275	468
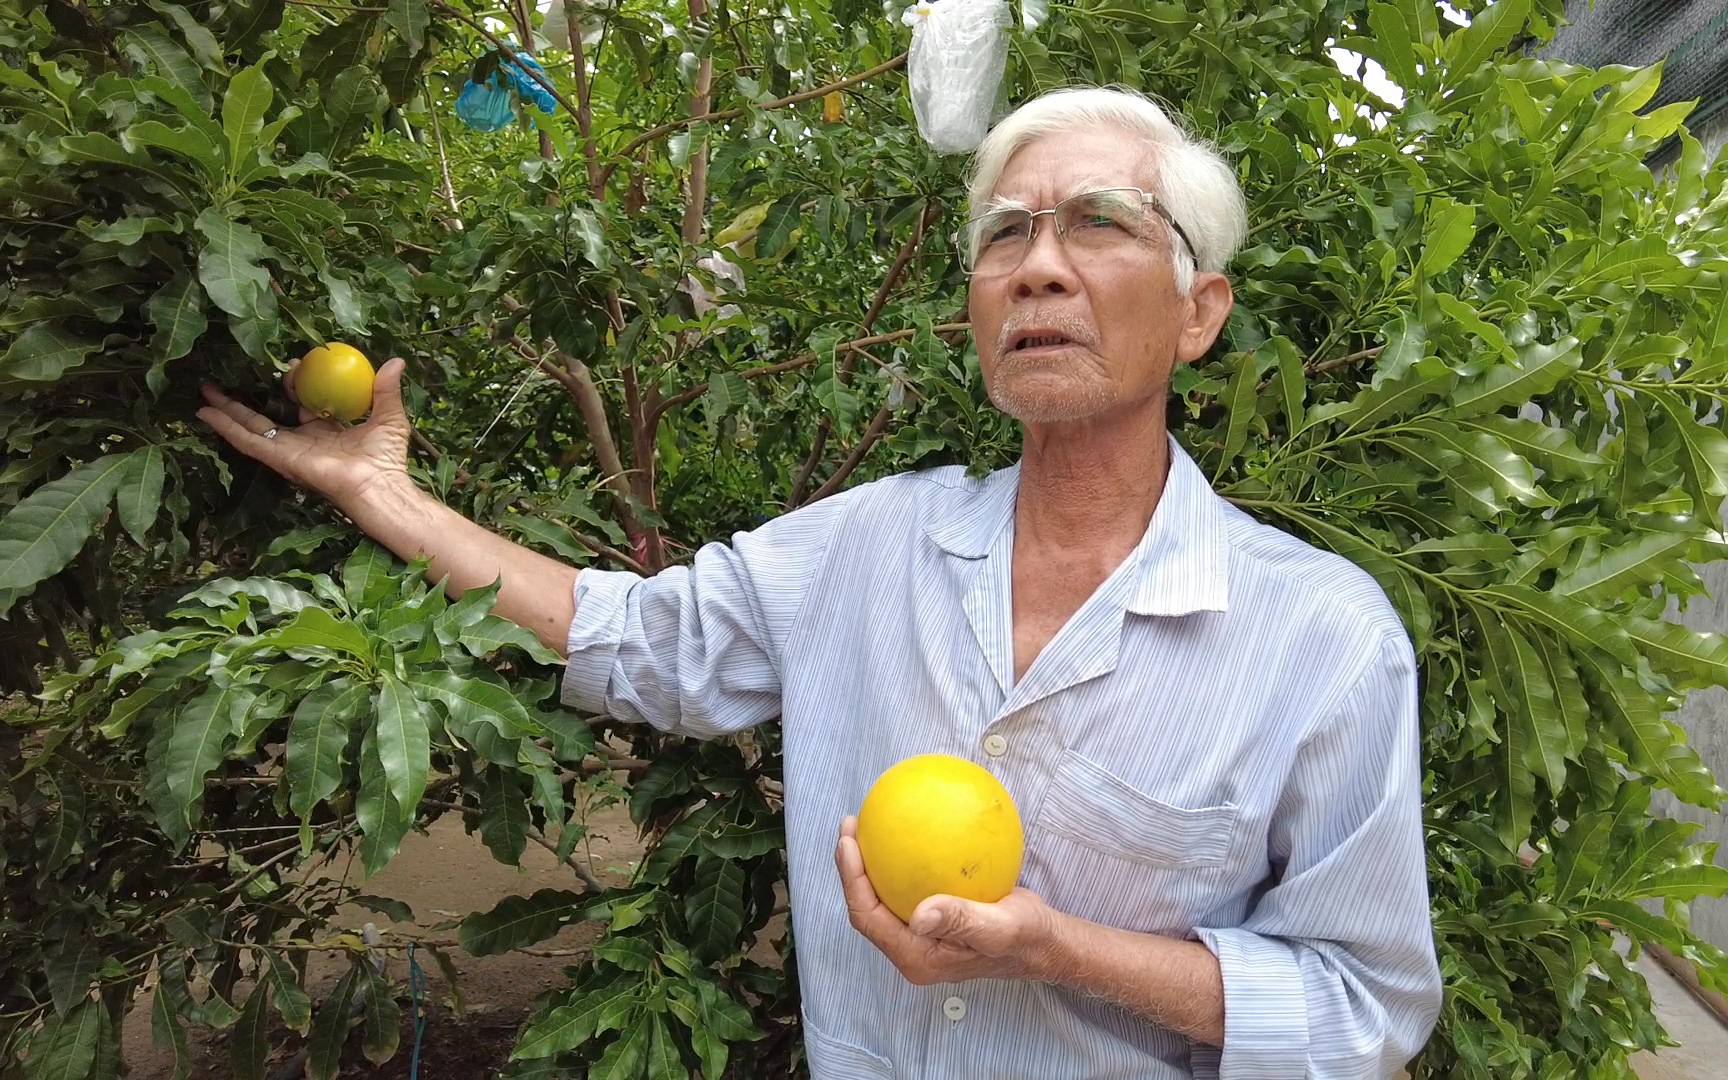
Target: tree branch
584	114
701	101
843	375
690	394
856	457
732	114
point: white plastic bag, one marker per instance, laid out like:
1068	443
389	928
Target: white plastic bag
954	69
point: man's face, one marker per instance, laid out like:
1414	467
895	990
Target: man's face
1119	309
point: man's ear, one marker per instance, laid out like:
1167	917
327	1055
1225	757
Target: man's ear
1211	301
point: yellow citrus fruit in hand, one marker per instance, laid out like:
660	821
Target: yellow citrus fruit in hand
335	381
939	824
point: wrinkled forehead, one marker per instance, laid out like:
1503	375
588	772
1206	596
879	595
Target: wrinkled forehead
1059	165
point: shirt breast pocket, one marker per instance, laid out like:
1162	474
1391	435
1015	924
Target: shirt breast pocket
1107	851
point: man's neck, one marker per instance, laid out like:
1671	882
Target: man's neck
1091	486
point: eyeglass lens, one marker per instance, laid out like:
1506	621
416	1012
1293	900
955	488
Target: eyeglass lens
1090	222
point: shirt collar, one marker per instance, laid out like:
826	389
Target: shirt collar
1180	566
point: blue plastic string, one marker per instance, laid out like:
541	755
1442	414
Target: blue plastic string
416	985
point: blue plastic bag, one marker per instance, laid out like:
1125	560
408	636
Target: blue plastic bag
485	106
491	105
527	85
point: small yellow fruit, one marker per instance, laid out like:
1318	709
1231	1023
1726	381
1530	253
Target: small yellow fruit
939	824
833	107
335	381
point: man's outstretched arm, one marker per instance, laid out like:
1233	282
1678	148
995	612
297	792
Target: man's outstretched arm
363	470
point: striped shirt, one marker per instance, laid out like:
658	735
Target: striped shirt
1220	745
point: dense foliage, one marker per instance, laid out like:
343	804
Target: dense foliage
1478	348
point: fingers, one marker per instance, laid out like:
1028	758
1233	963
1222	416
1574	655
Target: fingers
861	898
245	418
289	379
239	435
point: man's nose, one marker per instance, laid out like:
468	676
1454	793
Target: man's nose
1046	268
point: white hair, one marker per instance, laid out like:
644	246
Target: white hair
1194	182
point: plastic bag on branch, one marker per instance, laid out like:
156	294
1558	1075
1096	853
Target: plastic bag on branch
954	69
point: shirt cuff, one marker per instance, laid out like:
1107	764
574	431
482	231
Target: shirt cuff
602	597
1265	1009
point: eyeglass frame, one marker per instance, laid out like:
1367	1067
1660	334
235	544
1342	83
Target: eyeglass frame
1146	199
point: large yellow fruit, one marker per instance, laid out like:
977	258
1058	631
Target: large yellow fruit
335	381
939	824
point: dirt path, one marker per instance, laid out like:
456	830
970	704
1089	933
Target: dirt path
441	875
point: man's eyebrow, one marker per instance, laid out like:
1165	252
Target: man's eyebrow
1092	182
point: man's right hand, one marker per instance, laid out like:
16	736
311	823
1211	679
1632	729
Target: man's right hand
363	469
343	463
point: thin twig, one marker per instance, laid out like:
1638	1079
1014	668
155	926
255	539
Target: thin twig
536	835
1344	361
732	114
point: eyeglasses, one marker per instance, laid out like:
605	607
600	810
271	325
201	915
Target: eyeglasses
1091	222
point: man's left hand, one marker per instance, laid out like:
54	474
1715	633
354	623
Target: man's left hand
949	939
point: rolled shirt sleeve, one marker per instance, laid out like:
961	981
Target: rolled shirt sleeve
1333	974
696	649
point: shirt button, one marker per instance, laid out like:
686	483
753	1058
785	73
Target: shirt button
995	745
954	1009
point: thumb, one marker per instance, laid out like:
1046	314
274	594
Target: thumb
945	917
387	390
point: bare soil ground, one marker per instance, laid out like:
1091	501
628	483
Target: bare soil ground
441	875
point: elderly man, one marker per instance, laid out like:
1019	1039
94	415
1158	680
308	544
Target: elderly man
1209	727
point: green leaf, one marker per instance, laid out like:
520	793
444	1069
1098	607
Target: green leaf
139	495
317	737
404	745
517	922
472	701
167	1030
157	50
330	1028
1241	401
243	109
504	816
189	142
1539	369
383	1019
492	633
568	1026
366	575
664	1062
228	267
292	1001
47	529
177	312
1490	31
1636	562
410	18
1450	230
1693	657
777	225
198	737
65	1048
250	1045
71	967
1552	448
315	628
1425	379
44	353
382	821
714	908
624	1059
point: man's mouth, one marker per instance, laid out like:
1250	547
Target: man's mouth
1040	341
